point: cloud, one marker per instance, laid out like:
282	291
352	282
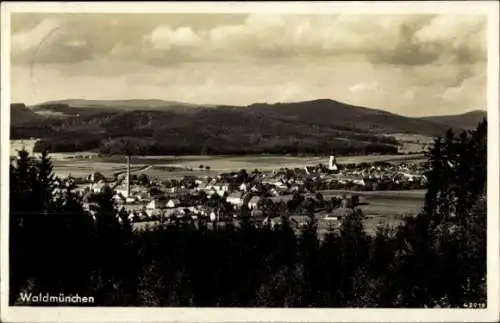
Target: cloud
461	95
396	40
29	39
364	87
165	37
410	64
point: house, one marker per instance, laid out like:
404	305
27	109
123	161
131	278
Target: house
130	200
98	187
299	220
235	199
153	212
254	202
173	203
201	184
213	216
169	213
310	169
359	181
244	187
132	216
174	212
221	189
274	192
211	192
257	217
340	213
155	204
411	177
272	222
280	184
330	217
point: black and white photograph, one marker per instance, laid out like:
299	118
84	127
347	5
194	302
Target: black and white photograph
237	162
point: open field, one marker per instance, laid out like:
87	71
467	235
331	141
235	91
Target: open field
255	161
190	165
385	208
412	143
389	211
382	207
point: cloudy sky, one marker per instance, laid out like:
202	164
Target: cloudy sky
407	64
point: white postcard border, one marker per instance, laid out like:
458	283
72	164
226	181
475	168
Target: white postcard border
22	314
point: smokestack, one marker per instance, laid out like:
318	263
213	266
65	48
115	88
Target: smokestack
128	175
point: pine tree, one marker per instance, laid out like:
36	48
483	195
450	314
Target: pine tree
20	225
308	253
354	249
108	245
441	256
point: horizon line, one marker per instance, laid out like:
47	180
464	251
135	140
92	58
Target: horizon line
217	105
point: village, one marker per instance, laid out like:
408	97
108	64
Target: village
328	192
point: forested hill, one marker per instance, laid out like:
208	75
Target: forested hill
161	127
20	114
468	120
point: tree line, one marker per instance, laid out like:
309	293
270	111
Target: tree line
211	132
436	258
179	145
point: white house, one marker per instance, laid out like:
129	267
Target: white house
98	187
221	189
130	200
211	192
359	181
235	199
243	187
151	212
201	184
122	191
173	203
274	192
213	216
280	184
254	201
155	204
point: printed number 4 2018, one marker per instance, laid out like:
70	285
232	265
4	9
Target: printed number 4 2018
475	305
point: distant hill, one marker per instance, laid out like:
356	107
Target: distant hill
468	120
20	114
323	112
73	107
334	113
164	127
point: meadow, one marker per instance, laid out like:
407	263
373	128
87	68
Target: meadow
379	207
190	165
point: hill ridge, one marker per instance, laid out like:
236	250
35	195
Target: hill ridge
308	126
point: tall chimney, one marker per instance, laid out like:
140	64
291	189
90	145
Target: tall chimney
128	176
